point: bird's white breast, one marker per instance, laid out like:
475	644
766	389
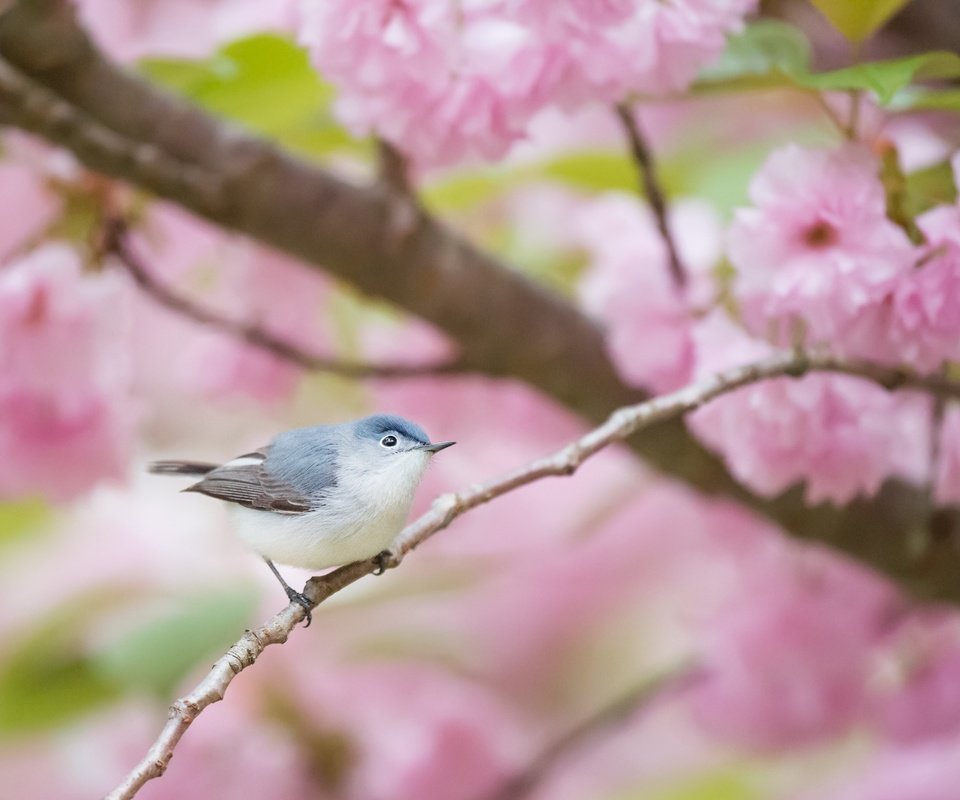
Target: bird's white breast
358	518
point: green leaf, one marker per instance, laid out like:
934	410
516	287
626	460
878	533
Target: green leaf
19	519
771	54
885	78
929	100
46	678
266	83
720	785
929	187
159	654
763	48
857	20
593	171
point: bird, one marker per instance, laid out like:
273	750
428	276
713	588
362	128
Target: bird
320	496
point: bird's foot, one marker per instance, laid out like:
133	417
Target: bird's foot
295	597
383	559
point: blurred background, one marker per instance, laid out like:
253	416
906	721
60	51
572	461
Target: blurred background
613	635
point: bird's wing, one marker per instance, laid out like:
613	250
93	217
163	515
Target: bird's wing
248	481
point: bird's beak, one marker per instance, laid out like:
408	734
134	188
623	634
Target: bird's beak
436	447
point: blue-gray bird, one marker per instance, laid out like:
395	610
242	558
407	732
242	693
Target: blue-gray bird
320	497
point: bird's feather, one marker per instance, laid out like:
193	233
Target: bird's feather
180	467
254	480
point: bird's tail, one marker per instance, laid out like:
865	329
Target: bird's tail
180	467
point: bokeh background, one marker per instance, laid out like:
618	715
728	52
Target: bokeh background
685	647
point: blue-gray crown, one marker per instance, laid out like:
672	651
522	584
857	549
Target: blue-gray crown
374	427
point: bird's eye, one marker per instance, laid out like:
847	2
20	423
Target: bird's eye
389	441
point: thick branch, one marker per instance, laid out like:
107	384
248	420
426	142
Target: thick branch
64	90
621	424
650	186
117	244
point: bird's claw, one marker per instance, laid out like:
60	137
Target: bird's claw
295	597
383	559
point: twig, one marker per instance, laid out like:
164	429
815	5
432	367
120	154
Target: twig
828	111
620	425
116	242
853	123
611	716
652	190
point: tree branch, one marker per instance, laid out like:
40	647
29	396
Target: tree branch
116	243
651	189
621	424
63	89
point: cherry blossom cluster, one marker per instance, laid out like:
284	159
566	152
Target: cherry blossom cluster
442	80
818	262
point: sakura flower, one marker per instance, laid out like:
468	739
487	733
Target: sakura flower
917	321
65	412
791	668
816	248
842	435
444	80
915	691
685	35
628	285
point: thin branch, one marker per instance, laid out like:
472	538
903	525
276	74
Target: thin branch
650	186
610	717
116	242
850	130
620	425
828	111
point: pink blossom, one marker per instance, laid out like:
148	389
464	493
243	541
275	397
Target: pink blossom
66	419
786	660
687	35
917	321
629	287
442	81
915	688
816	248
842	435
